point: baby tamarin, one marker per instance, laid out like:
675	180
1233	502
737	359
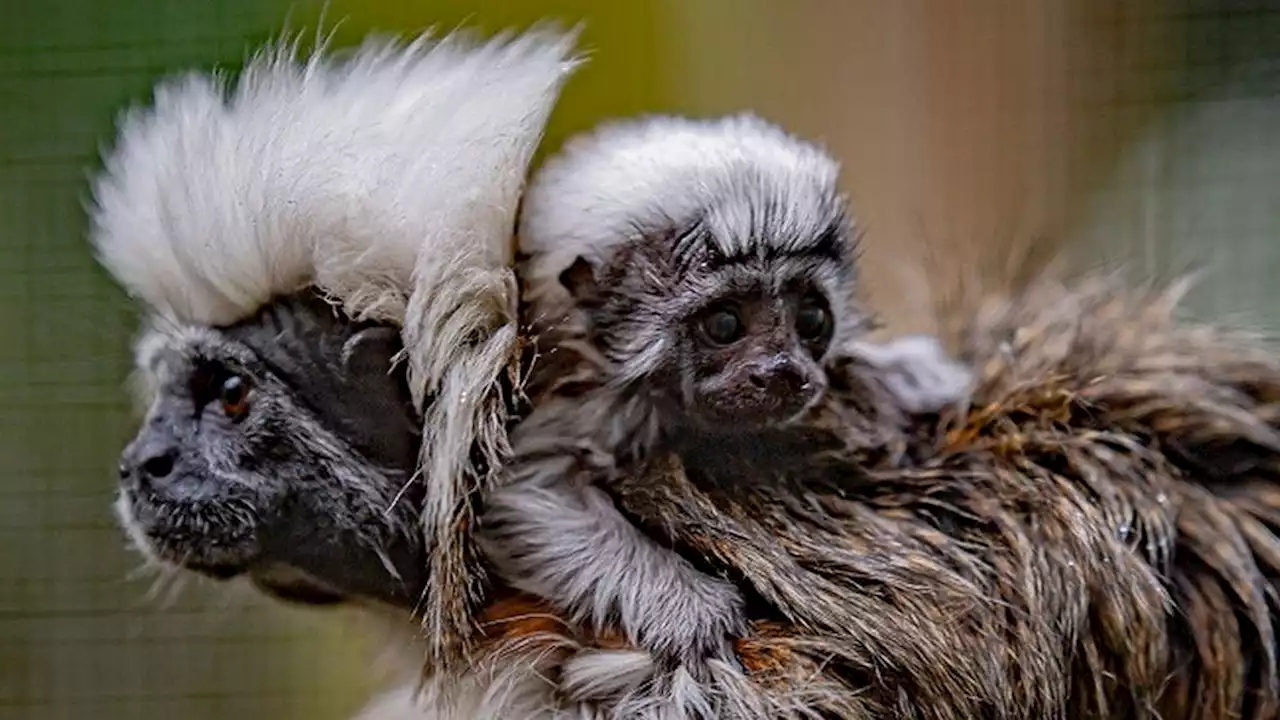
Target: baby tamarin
688	280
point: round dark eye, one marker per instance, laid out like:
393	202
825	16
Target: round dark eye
234	396
722	326
813	322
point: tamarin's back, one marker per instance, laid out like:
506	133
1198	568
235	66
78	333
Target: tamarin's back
1095	537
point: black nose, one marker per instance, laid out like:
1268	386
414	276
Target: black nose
146	466
777	375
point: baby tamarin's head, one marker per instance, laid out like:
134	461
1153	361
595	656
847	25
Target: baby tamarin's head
710	263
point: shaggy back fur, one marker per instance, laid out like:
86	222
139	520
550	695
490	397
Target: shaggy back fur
389	180
1098	537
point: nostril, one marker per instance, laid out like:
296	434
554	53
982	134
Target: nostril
159	466
758	381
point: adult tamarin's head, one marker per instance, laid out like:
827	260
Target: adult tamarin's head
288	236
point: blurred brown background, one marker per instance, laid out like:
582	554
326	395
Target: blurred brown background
1145	132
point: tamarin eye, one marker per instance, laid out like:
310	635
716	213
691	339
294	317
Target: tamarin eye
813	322
722	326
234	395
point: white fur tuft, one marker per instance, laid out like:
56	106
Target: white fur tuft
625	178
330	171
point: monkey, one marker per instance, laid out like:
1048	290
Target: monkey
708	272
320	253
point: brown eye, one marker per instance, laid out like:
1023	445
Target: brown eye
722	326
234	396
813	322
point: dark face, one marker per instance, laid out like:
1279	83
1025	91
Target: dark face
279	449
728	342
753	358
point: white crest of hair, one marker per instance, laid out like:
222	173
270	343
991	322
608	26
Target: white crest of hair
334	170
658	173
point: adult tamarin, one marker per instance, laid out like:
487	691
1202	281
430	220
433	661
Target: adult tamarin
323	255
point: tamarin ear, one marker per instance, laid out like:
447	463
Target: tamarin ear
366	353
579	279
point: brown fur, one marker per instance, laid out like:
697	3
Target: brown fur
1096	537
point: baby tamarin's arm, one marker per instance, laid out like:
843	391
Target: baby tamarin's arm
552	532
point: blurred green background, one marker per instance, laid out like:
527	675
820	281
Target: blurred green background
1147	133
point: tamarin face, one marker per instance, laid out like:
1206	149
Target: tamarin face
753	356
721	338
277	448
